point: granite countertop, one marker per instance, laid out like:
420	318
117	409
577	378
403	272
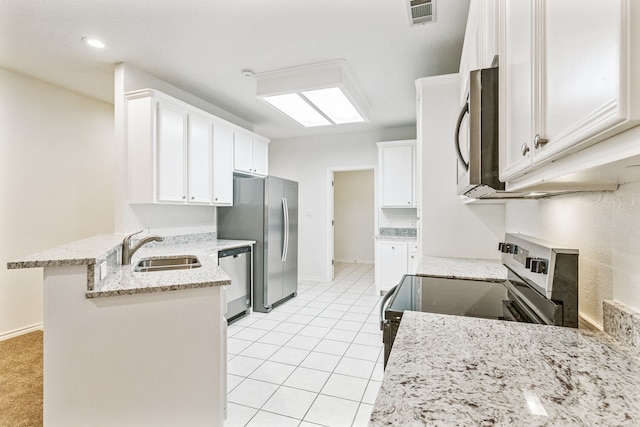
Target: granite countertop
454	370
397	233
462	268
121	279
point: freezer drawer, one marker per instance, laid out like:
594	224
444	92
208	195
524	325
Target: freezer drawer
237	264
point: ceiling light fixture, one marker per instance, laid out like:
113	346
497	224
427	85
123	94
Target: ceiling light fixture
314	95
94	42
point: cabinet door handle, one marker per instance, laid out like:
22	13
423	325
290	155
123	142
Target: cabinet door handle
524	149
538	141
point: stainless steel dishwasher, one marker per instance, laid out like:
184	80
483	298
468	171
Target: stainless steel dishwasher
237	264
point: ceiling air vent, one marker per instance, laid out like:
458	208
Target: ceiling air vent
421	11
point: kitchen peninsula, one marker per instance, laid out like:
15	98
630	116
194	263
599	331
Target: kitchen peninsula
133	348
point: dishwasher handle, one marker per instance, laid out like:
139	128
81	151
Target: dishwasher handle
233	252
383	303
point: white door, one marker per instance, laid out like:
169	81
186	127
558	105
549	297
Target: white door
331	227
222	165
200	152
171	154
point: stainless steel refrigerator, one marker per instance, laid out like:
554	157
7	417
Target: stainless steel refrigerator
266	210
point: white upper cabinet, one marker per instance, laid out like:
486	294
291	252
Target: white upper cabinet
179	154
250	154
516	79
397	163
200	152
222	165
568	78
242	153
172	141
480	41
260	157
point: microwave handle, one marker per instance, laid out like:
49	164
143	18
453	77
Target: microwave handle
463	112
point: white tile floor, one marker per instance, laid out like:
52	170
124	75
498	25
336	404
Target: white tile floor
314	360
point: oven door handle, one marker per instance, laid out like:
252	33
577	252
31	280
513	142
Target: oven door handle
511	311
383	303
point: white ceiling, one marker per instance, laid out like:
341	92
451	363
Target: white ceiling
202	45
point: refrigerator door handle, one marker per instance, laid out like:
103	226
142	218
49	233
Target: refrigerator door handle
285	243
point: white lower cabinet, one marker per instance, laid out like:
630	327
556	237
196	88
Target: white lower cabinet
412	261
391	263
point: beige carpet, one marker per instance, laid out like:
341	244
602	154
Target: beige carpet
21	381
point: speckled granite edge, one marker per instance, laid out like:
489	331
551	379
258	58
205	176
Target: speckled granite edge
397	232
164	288
622	323
121	279
462	268
80	252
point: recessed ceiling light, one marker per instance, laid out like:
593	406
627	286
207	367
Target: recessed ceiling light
94	43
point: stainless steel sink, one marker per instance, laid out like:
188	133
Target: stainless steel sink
167	263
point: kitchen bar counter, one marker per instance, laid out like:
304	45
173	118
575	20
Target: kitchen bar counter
121	279
453	370
114	361
462	268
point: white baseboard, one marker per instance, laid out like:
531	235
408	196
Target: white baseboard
590	322
355	261
313	279
21	331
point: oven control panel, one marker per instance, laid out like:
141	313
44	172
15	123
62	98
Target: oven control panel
535	260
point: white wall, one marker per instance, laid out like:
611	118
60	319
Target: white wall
308	160
354	197
605	227
449	228
56	183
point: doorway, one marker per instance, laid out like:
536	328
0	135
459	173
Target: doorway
352	217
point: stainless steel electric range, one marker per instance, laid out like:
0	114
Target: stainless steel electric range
541	287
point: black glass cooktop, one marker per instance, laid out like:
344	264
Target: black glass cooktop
450	296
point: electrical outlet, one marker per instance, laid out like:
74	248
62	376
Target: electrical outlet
103	270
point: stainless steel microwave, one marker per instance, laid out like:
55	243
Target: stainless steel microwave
476	137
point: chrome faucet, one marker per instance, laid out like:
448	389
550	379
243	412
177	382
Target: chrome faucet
128	251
